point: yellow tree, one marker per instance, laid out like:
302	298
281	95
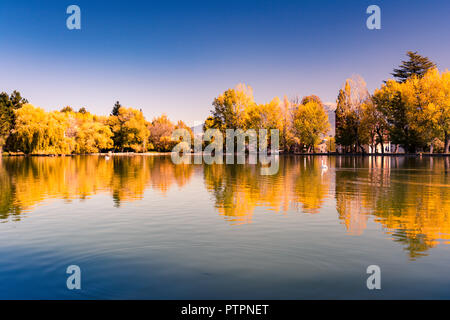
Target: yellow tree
30	129
390	101
417	110
310	123
130	130
229	107
39	132
264	116
93	137
373	126
181	125
434	92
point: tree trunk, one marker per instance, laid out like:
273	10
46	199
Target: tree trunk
380	137
447	142
363	151
431	148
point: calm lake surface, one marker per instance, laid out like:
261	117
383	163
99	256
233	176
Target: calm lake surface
141	227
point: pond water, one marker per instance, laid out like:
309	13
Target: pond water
141	227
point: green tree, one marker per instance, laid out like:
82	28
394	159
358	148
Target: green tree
350	101
115	110
346	122
8	104
416	65
67	109
82	110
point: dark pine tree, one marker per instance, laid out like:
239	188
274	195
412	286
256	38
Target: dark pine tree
82	110
7	116
115	110
67	109
416	65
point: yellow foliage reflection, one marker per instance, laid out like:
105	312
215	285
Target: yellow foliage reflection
408	196
26	182
239	189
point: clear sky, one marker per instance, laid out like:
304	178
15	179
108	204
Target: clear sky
176	56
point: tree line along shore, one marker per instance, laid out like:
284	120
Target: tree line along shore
410	113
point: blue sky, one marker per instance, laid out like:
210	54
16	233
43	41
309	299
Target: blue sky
176	56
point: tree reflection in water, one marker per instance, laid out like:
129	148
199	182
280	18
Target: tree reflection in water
409	197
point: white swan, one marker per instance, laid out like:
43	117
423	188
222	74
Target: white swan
324	166
106	157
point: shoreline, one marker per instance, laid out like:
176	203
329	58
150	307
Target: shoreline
124	154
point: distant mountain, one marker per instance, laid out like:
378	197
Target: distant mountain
198	129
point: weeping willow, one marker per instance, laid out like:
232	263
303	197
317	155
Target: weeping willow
40	132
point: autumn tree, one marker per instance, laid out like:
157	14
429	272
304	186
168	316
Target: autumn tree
369	127
311	98
181	125
373	126
310	123
430	99
40	132
161	129
229	106
91	133
213	123
391	103
416	110
264	116
93	137
130	130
